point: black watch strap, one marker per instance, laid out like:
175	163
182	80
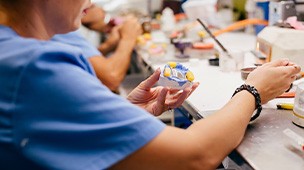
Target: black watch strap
255	93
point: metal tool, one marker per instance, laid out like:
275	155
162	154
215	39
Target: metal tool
281	10
214	38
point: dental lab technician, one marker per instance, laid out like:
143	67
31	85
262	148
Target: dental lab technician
55	114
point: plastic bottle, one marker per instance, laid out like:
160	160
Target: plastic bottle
250	8
167	21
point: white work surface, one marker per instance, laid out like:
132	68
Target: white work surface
264	145
216	87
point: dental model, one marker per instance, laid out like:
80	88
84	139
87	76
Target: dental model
176	76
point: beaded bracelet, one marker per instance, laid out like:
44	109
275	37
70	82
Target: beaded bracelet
255	93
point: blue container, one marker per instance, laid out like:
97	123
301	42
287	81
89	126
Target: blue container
264	6
180	119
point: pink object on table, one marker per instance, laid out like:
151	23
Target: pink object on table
293	21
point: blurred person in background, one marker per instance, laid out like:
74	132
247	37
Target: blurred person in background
118	47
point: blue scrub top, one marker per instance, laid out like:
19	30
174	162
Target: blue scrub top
77	40
55	113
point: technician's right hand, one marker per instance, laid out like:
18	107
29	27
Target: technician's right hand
273	79
130	29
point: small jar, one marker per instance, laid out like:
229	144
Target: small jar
298	109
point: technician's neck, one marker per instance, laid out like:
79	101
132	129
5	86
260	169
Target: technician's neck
31	26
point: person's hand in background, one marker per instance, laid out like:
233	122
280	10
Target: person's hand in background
118	61
130	29
127	31
111	42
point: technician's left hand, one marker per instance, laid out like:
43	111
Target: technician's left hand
158	99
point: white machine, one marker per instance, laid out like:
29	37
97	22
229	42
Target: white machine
280	10
275	42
